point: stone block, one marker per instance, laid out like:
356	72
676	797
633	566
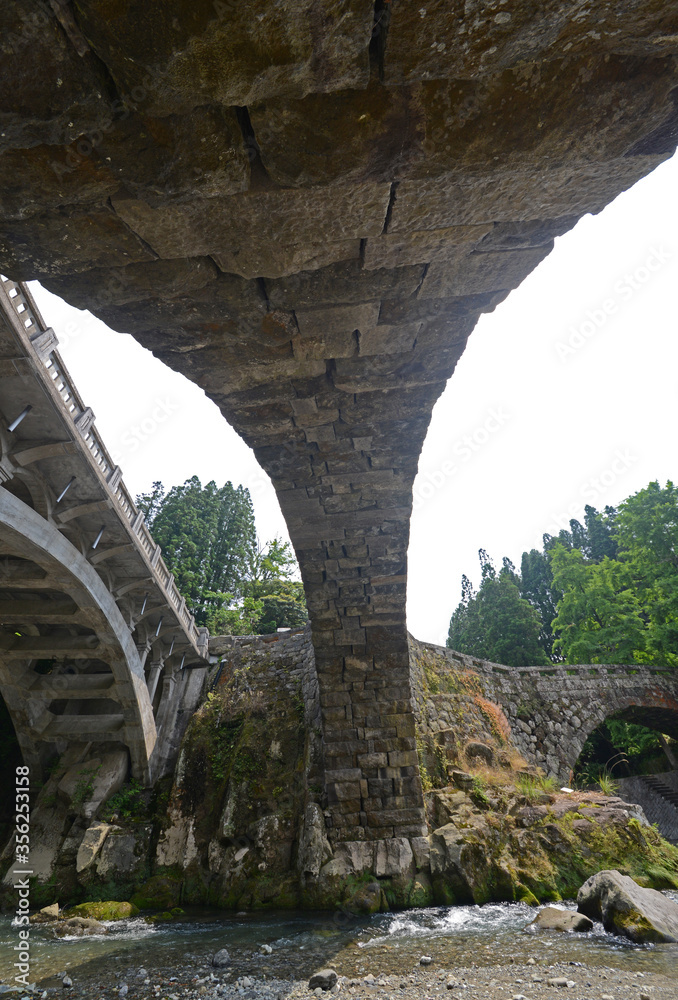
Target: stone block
262	258
423	246
337	319
421	849
353	134
342	283
366	760
91	844
172	59
99	287
225	225
70	241
36	54
358	855
482	272
393	857
388	339
402	758
473	42
453	200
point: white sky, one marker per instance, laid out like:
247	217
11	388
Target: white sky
527	432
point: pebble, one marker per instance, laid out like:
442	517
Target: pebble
425	960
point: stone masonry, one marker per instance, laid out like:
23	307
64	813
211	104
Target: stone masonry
304	207
553	710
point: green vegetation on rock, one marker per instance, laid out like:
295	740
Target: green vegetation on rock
108	910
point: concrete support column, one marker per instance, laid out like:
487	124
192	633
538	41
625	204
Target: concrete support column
153	677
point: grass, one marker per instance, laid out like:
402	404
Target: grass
532	787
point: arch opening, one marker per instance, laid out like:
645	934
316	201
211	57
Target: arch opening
635	741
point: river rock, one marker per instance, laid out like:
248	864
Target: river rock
325	980
553	919
475	749
78	927
626	908
221	958
107	910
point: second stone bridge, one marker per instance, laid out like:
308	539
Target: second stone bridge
553	710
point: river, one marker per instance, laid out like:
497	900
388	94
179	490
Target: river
301	943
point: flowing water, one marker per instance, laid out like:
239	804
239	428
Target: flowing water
303	942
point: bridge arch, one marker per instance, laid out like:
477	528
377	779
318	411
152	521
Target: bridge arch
102	694
553	710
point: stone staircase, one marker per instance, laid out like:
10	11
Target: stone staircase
657	794
655	782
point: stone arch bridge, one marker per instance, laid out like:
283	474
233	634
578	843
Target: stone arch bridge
305	207
553	710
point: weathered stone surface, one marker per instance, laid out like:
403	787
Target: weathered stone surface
626	908
99	288
356	134
464	200
68	242
201	154
51	94
226	225
475	40
92	842
175	59
551	918
314	849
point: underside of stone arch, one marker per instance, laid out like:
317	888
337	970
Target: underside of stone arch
305	208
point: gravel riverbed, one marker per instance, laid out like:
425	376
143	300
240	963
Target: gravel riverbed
530	981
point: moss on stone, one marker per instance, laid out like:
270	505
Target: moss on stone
108	910
161	892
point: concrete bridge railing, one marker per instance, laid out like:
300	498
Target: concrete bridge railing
44	342
95	639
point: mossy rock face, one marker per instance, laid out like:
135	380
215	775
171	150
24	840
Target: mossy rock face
366	899
160	893
109	910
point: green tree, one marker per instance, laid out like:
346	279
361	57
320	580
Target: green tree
536	586
232	583
647	536
207	537
599	616
497	623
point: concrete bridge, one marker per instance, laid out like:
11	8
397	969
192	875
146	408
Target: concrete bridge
305	211
553	710
95	639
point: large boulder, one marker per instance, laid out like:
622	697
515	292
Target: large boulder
109	910
551	918
626	908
